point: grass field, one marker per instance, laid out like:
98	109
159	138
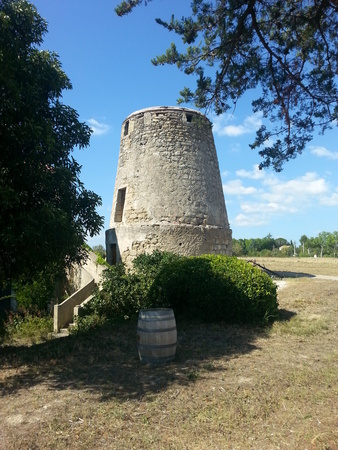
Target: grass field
230	387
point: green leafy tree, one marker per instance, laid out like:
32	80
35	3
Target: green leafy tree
324	239
238	247
45	211
251	247
99	250
280	241
303	240
268	242
287	49
333	242
314	246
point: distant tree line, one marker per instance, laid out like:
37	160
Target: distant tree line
325	244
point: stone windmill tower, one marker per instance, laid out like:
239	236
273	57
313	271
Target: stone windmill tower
168	191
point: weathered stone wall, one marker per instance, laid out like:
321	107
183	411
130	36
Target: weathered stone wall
181	239
168	191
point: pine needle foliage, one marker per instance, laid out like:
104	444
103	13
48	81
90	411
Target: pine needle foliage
286	50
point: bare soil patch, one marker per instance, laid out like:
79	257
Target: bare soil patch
230	387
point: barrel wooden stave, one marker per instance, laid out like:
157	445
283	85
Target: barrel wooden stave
156	335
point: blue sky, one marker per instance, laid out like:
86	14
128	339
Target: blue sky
107	59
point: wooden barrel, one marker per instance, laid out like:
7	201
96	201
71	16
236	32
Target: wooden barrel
156	335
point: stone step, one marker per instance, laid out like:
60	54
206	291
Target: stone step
63	331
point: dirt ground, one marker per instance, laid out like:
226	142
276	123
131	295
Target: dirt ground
230	387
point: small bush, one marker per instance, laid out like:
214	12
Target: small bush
124	292
101	261
119	295
215	287
27	326
36	293
87	323
100	253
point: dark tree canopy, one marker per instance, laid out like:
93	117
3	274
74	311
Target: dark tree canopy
45	211
288	49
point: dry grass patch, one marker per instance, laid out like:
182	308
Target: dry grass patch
303	326
230	387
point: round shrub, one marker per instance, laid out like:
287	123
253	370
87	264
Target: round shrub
216	288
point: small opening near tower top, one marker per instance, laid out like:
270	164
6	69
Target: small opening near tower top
189	118
126	128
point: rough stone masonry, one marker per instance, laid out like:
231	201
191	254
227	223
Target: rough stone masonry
168	191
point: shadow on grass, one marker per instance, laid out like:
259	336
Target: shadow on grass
285	315
105	361
280	274
286	274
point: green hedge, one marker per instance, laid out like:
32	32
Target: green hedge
209	288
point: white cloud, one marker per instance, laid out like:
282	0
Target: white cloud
98	128
268	197
330	200
225	173
249	125
308	184
233	130
235	187
270	207
242	220
235	148
322	152
255	174
218	123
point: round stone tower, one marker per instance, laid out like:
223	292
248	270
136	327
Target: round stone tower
168	191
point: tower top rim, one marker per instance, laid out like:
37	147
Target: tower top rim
165	108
